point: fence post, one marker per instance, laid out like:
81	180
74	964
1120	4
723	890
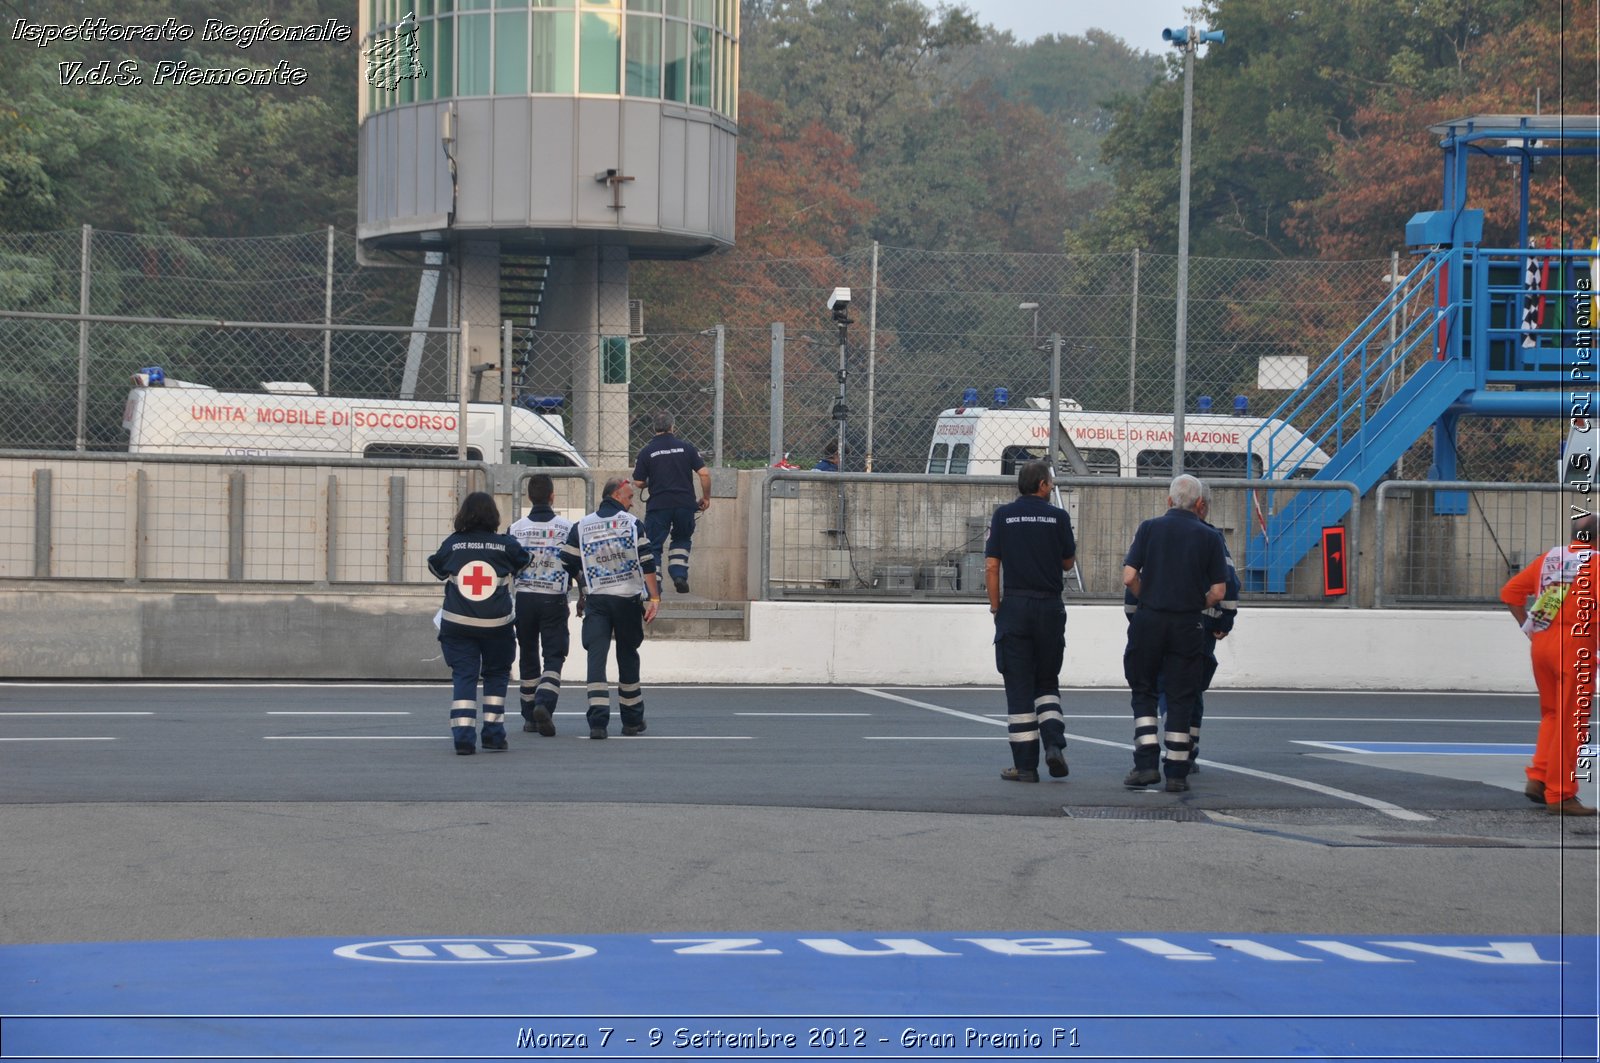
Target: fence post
141	523
83	336
775	388
463	382
718	383
1378	532
235	527
327	319
1133	330
1055	398
872	355
42	483
331	567
505	396
397	529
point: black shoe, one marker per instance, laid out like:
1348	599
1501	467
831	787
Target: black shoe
1141	777
465	749
527	725
1019	775
1194	765
495	745
1177	786
681	586
1055	758
597	732
631	729
543	722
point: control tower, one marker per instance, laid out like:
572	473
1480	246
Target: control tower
536	147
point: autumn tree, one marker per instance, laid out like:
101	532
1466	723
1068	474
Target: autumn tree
1384	165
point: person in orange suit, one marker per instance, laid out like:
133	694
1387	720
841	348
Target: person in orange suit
1560	625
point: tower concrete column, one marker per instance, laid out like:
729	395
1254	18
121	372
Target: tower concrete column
478	263
589	303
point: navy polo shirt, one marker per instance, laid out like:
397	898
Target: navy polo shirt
1031	538
1178	557
667	466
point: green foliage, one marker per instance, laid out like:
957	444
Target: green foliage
193	160
1269	106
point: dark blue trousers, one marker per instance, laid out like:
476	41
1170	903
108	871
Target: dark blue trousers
470	657
541	627
611	618
675	529
1030	640
1164	650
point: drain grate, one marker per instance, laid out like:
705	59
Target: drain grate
1171	815
1450	841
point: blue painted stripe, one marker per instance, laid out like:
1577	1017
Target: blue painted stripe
891	995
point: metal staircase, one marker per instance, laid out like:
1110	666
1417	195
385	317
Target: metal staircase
522	286
1376	394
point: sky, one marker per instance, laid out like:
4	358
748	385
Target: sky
1138	22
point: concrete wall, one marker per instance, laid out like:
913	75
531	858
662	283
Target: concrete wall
52	629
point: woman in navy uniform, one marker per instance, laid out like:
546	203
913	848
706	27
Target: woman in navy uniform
476	627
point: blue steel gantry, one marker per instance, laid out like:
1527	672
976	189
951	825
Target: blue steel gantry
1470	331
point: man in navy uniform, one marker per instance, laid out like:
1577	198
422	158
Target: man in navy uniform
830	458
1219	620
542	606
609	553
667	466
1177	569
1029	546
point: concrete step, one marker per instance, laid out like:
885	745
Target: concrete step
688	618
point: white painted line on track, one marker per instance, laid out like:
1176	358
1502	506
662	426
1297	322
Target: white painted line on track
928	738
74	712
1319	692
62	738
1344	795
802	714
1212	717
1457	749
240	684
446	738
341	712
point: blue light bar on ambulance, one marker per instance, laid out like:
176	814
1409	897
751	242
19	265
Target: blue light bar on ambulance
152	376
1203	404
1241	405
1002	396
541	403
969	397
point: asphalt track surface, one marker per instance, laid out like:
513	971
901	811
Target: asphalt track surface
1351	876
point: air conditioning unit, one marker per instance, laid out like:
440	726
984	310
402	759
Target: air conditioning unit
635	318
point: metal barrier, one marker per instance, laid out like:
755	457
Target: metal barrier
152	518
568	500
1426	558
843	535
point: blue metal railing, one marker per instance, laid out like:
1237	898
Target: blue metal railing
1334	404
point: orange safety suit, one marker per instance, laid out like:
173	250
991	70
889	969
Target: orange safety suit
1561	626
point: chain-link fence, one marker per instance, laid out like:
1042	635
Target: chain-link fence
928	332
1432	551
851	535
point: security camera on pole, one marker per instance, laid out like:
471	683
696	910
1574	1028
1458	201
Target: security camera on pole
1188	39
839	307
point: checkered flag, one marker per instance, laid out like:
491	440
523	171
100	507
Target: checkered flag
1530	301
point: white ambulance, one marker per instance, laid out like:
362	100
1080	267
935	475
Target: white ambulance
977	441
290	420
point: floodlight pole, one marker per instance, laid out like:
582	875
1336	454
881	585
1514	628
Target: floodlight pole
1181	358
